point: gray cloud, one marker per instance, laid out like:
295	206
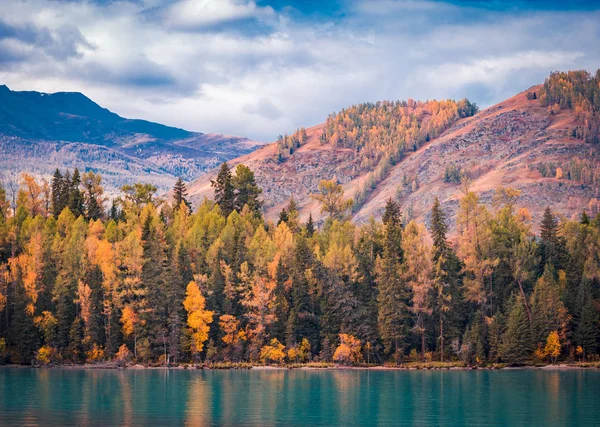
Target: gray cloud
242	67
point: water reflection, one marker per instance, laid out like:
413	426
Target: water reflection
300	397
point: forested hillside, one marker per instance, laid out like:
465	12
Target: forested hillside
542	142
150	281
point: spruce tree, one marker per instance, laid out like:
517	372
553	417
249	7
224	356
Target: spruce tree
224	190
247	192
552	245
310	226
516	342
283	216
438	229
75	196
393	315
180	195
59	201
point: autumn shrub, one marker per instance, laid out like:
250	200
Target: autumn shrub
95	354
273	353
123	356
349	351
47	355
300	353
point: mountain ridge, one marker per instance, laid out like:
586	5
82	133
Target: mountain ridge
42	131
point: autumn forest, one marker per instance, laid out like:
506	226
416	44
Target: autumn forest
148	280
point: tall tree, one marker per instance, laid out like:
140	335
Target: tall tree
224	190
180	194
393	315
246	190
76	202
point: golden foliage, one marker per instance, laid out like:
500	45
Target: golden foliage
198	317
349	350
273	353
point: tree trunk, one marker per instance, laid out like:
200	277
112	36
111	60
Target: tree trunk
441	338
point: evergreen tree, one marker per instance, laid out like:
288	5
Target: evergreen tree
586	319
246	190
283	216
516	341
552	245
393	315
76	204
224	190
59	195
180	194
438	229
310	226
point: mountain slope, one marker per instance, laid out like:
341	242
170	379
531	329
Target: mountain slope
39	132
514	143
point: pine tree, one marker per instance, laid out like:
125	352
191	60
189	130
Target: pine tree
438	229
283	216
180	195
586	319
310	226
551	246
516	341
246	190
393	315
75	196
224	190
59	197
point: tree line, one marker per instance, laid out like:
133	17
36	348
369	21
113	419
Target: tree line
150	280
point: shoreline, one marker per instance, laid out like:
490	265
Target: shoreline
138	367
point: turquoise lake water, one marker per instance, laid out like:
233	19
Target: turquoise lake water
59	397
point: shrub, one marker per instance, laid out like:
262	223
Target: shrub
273	353
47	355
123	356
349	351
96	354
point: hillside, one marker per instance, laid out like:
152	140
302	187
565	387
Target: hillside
39	132
518	143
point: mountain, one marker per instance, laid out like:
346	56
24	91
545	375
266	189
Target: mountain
520	143
40	131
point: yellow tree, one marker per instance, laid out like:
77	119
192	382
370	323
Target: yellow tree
553	347
418	273
474	248
130	320
331	197
261	310
199	318
349	351
33	194
234	337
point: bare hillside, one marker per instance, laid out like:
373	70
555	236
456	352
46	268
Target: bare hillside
509	144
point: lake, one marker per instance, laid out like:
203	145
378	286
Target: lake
60	397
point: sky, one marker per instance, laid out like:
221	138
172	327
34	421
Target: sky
260	68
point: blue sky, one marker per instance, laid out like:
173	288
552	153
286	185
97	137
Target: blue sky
259	68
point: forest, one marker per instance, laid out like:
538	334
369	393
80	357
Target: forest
382	133
148	280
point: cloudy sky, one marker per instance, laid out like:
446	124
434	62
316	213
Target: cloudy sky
264	67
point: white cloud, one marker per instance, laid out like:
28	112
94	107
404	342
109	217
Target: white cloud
252	71
194	14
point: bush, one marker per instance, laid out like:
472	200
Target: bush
123	356
96	354
273	353
46	355
349	351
